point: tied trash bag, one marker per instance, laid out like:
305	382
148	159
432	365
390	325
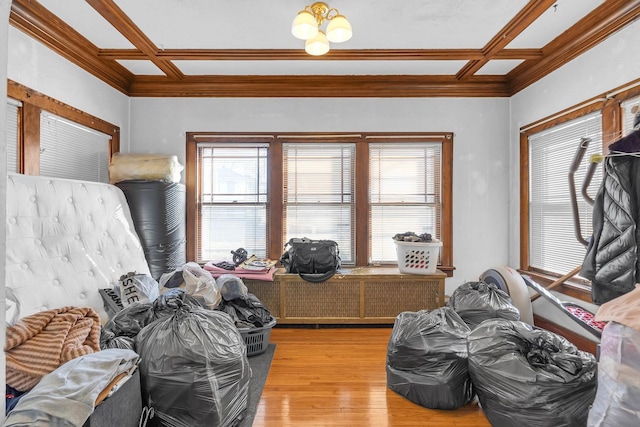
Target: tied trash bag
528	376
479	301
194	369
618	394
121	330
427	359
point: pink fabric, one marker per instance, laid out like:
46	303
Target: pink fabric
239	272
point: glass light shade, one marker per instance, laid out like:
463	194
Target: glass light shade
304	26
319	45
339	29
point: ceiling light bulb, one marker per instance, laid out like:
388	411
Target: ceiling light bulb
339	29
319	45
304	26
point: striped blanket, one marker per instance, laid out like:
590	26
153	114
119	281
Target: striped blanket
38	344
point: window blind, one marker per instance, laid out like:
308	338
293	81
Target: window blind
319	188
405	194
13	108
630	108
70	150
553	246
232	199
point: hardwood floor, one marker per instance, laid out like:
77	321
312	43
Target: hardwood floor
336	377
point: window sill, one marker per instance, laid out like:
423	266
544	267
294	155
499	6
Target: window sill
446	269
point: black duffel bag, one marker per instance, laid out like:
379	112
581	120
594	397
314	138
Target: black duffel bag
314	260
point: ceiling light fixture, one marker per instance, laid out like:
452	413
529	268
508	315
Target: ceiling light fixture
306	26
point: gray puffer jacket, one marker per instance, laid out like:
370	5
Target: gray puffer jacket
611	262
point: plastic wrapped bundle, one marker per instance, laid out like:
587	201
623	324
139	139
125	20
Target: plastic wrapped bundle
527	376
194	369
427	359
158	211
616	401
479	301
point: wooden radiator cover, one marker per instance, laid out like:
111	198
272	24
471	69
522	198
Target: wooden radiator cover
363	295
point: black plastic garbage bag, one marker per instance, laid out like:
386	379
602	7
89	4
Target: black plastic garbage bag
121	330
427	359
194	369
479	301
123	327
528	376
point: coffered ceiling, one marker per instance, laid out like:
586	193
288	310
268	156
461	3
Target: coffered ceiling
244	48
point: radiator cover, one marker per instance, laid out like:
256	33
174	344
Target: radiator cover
367	295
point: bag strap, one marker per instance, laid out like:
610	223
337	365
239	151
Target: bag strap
317	277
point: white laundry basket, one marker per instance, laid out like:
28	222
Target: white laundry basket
418	257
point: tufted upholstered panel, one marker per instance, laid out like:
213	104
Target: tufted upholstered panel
66	239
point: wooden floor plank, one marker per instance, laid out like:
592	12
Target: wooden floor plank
336	377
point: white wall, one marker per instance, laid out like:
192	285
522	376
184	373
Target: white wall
481	154
39	68
5	6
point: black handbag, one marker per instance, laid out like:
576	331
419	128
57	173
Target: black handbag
314	260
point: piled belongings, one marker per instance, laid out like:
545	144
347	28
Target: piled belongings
479	301
245	309
616	401
527	376
194	367
618	394
121	330
38	344
66	396
196	282
427	359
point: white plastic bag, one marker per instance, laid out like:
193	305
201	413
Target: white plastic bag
197	282
137	288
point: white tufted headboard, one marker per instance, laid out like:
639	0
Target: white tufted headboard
66	239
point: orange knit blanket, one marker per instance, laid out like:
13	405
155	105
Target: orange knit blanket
36	345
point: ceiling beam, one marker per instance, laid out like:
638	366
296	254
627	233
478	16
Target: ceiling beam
606	19
396	86
40	24
333	55
121	22
517	25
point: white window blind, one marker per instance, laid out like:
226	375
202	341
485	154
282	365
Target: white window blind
13	107
319	186
70	150
553	246
232	199
630	108
405	193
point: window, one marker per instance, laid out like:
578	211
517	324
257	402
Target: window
258	191
69	150
13	110
233	199
553	244
70	144
404	193
630	109
319	193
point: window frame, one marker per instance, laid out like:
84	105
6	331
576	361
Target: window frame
33	103
276	206
609	105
